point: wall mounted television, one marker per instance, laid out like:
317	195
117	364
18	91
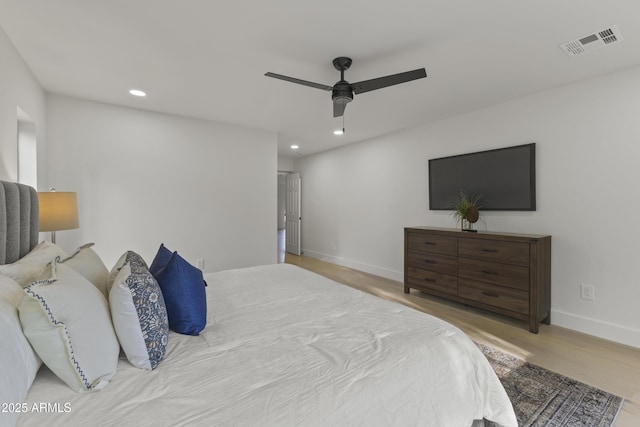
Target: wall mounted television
505	177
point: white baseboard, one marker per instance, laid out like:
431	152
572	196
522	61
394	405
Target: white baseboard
398	276
598	328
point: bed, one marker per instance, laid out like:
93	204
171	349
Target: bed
286	347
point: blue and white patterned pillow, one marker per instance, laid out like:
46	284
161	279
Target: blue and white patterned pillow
139	313
128	256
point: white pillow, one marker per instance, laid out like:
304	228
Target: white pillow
18	362
139	315
66	320
11	291
86	262
30	267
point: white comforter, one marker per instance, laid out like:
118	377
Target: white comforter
286	347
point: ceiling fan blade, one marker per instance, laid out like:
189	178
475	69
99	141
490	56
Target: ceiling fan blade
299	81
394	79
338	109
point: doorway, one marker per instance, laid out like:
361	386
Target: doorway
293	216
289	217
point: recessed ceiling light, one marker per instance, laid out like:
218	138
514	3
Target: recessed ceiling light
136	92
294	147
338	132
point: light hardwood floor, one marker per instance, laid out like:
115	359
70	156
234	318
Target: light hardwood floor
604	364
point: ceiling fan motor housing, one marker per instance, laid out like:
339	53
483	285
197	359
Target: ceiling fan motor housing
342	93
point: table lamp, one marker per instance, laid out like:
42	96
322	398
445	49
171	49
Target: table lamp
58	211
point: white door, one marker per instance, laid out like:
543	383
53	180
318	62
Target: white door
292	212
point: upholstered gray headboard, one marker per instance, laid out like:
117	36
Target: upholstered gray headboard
18	221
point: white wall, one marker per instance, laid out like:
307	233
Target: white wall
18	89
285	164
207	190
358	198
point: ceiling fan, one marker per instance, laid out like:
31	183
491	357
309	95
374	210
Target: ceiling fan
342	92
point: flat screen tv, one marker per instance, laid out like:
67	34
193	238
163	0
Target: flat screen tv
505	178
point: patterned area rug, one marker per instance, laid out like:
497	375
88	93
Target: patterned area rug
543	398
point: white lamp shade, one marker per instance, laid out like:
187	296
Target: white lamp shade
58	210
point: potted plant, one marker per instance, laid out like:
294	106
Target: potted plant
466	209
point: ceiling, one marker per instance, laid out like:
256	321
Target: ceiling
207	59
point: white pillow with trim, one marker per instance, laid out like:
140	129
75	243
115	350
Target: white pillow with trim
30	267
66	320
86	262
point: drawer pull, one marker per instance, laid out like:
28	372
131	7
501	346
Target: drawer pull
493	251
430	243
430	261
429	280
493	273
490	294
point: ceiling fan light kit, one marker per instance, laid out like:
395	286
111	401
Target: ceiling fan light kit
342	92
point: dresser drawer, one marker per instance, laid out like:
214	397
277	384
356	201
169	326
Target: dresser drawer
434	262
446	245
508	252
497	296
433	281
506	273
512	276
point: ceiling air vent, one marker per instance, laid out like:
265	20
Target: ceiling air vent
592	41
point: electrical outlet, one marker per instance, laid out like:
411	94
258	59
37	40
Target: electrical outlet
587	292
200	263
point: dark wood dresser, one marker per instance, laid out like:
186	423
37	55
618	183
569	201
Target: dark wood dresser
505	273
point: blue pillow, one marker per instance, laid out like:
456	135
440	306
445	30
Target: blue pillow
183	290
161	259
